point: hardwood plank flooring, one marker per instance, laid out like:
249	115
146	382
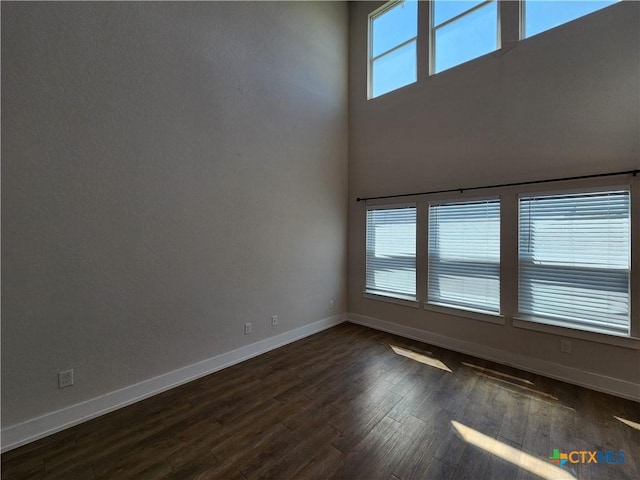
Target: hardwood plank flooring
343	404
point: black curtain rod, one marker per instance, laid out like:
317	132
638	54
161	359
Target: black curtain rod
461	190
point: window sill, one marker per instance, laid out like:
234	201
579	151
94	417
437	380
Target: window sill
405	300
531	323
466	313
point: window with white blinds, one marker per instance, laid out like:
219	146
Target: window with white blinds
391	252
574	256
464	255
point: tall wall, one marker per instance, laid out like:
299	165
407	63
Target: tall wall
170	171
563	103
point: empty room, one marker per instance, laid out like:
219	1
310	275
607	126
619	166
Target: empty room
320	239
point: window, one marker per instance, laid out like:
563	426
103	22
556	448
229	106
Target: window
542	15
462	31
393	30
574	259
464	255
459	31
391	252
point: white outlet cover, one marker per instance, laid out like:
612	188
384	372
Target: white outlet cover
65	379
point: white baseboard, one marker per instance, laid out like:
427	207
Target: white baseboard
50	423
583	378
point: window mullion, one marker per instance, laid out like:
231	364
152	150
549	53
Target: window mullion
463	14
394	49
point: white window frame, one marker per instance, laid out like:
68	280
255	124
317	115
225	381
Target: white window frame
433	29
572	329
397	298
460	310
370	58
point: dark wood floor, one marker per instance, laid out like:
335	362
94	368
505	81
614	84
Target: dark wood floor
344	404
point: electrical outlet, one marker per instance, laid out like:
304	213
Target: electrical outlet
65	379
247	328
274	320
330	304
565	346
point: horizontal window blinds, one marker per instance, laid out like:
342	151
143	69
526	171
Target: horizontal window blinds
391	252
574	260
464	255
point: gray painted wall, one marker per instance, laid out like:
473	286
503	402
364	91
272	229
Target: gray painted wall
170	171
564	103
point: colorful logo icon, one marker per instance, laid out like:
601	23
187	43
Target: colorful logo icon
558	458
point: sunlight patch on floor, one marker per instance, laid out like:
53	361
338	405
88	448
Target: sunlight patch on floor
512	455
535	397
488	371
628	422
520	387
420	357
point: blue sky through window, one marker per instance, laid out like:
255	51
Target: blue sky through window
542	15
394	26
